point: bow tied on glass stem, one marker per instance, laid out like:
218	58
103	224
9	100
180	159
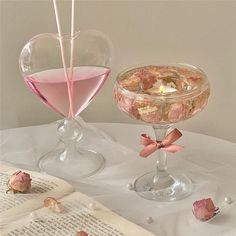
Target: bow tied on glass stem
166	144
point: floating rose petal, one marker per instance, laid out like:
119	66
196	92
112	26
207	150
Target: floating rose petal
19	182
176	112
125	103
146	111
146	78
53	205
131	84
150	114
193	81
147	82
200	102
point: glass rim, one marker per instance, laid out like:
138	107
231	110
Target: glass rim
195	92
68	35
65	38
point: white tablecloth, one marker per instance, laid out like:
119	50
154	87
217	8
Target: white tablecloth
209	161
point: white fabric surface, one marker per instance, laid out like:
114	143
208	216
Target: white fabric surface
209	161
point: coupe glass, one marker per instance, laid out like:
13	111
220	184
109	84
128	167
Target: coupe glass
162	95
66	73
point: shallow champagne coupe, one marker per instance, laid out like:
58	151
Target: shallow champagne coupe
162	95
66	73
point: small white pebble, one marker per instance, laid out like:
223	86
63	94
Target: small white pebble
149	220
33	215
92	206
153	192
228	200
130	186
58	208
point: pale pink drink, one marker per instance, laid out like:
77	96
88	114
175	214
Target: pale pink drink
51	87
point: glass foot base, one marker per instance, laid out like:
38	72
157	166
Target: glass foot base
179	187
83	163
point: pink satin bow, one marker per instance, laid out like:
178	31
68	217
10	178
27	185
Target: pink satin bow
165	145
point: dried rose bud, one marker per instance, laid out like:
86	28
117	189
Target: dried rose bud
52	204
81	233
204	209
19	182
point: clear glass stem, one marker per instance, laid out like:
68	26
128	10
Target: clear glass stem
162	179
69	132
67	160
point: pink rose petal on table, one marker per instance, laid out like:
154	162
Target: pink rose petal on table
52	204
19	182
81	233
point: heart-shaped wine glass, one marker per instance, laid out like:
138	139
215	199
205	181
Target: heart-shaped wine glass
66	73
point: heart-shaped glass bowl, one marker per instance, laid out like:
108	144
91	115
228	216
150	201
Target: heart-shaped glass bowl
66	73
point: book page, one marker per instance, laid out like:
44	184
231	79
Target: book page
42	186
76	216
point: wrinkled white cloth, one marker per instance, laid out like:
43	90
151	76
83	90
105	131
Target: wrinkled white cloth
209	161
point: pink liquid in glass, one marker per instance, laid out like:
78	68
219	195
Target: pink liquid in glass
52	88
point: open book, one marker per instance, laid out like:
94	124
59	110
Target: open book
24	214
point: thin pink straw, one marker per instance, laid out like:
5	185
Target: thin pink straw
63	60
72	34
